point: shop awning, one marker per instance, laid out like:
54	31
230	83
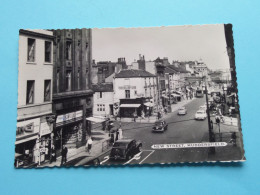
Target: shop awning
164	96
175	95
149	104
26	139
95	119
130	105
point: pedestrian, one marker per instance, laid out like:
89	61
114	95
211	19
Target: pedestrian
120	133
117	134
89	144
134	115
64	153
112	138
53	154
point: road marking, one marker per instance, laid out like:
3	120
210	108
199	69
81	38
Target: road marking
136	157
152	151
106	159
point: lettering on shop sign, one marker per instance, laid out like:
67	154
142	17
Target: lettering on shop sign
189	145
127	87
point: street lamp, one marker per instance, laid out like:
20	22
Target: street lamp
211	134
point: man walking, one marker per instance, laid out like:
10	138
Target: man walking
89	145
64	153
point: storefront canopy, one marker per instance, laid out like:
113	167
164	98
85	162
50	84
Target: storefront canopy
95	119
130	105
26	139
149	104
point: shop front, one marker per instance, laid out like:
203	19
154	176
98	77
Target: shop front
69	130
27	136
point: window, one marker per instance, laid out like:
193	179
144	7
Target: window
31	50
47	51
58	81
97	107
78	79
100	94
127	93
68	50
68	80
47	90
30	92
103	107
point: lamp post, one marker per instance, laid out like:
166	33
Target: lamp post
211	134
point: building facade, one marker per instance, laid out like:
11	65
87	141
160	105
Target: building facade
103	99
135	93
72	93
34	109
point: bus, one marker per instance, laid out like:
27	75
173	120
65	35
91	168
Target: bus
199	93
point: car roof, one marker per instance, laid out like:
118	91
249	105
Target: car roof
124	140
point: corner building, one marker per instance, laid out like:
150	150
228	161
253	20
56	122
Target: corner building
72	94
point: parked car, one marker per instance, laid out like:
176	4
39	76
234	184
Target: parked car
204	107
160	126
125	149
182	111
83	161
200	115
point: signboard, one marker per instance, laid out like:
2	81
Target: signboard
189	145
127	87
69	116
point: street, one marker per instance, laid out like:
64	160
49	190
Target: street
181	129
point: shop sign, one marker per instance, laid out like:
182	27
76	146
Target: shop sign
127	87
27	127
69	116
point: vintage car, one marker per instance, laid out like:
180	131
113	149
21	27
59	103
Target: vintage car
160	126
200	115
125	149
182	111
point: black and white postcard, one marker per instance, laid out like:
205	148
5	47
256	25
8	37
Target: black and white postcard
127	96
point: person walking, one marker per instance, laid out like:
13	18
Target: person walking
89	145
120	133
64	153
53	154
117	134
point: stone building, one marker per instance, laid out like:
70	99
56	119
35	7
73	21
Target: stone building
72	93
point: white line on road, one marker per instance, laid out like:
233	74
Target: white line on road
152	151
136	157
106	159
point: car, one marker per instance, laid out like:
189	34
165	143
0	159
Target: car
200	115
83	161
160	126
204	107
182	111
125	149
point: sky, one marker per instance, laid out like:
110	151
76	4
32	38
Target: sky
182	43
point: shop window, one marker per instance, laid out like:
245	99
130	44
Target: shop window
68	50
31	50
47	90
78	79
47	51
68	80
58	81
127	93
30	92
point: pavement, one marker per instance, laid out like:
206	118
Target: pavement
100	145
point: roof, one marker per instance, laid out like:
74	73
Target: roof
132	73
169	70
124	140
178	69
103	87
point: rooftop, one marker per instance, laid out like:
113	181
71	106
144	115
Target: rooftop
103	87
133	73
